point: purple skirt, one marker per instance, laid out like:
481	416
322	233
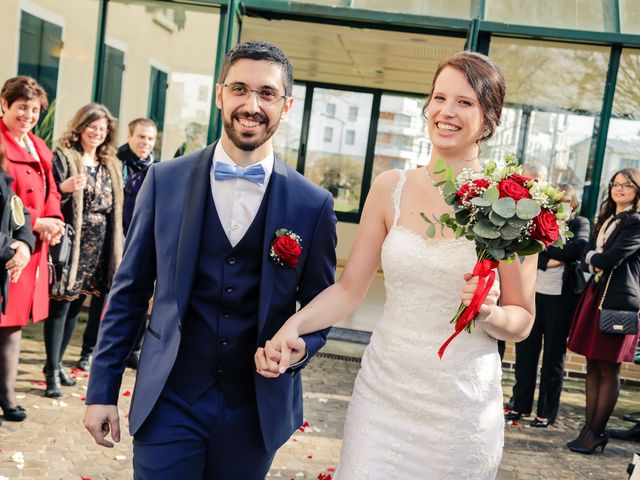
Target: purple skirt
585	337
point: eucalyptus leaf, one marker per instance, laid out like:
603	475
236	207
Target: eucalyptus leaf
480	202
491	195
497	253
507	232
440	166
517	222
531	248
505	207
431	231
462	217
459	231
496	219
449	188
527	209
425	218
486	229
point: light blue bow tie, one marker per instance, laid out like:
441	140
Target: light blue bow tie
224	171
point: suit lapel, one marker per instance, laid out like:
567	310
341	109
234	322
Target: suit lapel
276	206
197	189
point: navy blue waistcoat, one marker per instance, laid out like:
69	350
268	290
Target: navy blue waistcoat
219	332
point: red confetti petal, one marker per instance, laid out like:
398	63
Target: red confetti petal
331	469
84	477
309	456
42	384
306	424
83	398
86	375
127	393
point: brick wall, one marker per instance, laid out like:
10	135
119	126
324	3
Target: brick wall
576	366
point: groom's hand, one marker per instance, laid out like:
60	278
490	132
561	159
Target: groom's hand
99	420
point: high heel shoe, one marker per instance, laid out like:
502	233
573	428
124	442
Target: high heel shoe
13	414
578	439
600	443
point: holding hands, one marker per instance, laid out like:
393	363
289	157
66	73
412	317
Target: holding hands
49	229
20	259
278	354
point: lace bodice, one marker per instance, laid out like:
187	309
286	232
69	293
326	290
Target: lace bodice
417	407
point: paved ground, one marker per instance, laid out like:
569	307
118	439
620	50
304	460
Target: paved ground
53	445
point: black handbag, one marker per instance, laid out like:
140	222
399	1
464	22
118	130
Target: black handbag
619	322
61	253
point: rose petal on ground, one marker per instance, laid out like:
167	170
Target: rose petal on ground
20	397
127	393
120	458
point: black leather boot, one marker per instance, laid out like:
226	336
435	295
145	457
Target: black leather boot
53	384
632	434
66	380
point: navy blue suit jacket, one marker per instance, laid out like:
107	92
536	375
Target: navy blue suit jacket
160	259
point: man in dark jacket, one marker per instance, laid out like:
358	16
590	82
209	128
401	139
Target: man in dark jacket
136	156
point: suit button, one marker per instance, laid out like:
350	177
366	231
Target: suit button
224	342
28	171
29	190
219	369
226	314
231	260
228	289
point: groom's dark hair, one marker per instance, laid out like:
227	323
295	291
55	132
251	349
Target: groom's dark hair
259	50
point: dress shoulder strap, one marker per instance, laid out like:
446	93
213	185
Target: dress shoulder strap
397	194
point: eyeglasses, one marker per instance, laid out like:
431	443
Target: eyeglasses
624	186
265	96
97	129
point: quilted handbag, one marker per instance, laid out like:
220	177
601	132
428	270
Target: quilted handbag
619	322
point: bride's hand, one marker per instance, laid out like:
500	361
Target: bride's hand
489	303
279	353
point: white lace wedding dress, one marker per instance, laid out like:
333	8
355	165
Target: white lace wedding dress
413	416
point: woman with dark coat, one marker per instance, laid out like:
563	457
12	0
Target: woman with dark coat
29	164
89	176
558	287
613	257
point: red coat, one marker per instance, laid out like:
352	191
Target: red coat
30	296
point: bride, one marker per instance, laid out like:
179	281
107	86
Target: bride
412	415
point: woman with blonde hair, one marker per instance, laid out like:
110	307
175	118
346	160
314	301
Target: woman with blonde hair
89	176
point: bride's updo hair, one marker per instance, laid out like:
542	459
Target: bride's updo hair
486	79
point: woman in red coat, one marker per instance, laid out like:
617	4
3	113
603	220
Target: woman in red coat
29	163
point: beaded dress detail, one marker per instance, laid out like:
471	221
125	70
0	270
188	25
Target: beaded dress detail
413	416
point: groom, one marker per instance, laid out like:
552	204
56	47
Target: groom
204	234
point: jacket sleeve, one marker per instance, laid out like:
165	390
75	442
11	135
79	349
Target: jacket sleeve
319	271
133	286
626	243
23	234
52	203
60	172
575	247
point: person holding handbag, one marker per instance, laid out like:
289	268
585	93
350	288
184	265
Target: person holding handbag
89	176
29	164
559	283
613	291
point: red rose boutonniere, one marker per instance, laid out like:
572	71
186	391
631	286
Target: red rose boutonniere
286	248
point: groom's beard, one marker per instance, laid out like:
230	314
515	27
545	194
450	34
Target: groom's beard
249	142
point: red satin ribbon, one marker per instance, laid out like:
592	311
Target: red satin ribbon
486	274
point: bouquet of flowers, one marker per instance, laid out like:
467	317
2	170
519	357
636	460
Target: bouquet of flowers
506	214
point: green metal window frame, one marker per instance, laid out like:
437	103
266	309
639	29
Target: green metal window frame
477	31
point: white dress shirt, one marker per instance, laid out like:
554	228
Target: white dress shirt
238	200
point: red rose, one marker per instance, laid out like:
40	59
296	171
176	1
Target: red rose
512	189
521	179
545	228
287	250
472	190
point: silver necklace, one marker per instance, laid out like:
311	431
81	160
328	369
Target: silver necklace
432	181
